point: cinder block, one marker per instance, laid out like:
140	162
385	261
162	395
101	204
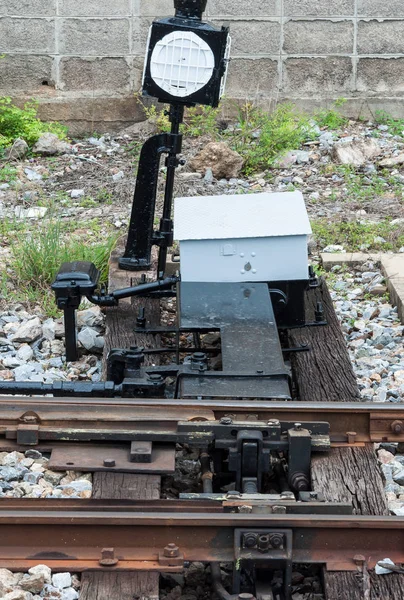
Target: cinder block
253	78
321	75
156	8
94	37
385	75
254	37
381	8
25	73
319	37
241	8
27	35
102	109
319	8
27	8
94	8
380	37
140	33
95	74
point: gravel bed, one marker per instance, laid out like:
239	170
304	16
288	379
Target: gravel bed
375	341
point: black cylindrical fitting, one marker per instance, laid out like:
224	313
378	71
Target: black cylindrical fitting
190	9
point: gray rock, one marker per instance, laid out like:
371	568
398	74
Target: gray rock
91	317
91	340
29	371
35	212
355	153
18	150
25	352
28	332
49	144
61	580
69	594
118	176
80	485
43	570
31	453
32	175
32	583
10	473
48	329
77	194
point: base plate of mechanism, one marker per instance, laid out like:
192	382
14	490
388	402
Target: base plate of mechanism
81	457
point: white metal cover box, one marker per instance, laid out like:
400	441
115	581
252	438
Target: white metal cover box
248	237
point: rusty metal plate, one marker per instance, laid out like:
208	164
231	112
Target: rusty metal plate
83	457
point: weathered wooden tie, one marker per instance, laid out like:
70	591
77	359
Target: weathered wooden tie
345	474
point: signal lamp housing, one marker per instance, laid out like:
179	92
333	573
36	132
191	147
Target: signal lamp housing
186	59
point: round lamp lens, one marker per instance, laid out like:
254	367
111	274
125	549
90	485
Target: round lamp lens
182	63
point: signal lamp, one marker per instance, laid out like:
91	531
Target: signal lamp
186	59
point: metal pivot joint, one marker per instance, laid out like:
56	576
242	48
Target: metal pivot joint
141	236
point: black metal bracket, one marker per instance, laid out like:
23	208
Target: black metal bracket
269	549
141	235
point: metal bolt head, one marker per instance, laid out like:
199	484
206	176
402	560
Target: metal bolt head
233	494
155	377
109	462
276	540
297	426
245	596
279	510
171	551
250	540
226	421
397	427
245	509
273	422
359	559
108	557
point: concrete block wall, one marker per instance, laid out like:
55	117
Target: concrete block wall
83	59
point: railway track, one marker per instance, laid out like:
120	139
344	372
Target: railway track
288	472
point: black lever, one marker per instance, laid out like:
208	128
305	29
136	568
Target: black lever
73	281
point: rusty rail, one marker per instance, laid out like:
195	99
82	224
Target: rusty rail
116	419
68	537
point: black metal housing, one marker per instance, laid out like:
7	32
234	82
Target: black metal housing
216	39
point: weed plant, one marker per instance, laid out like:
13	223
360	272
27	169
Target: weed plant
260	137
396	126
24	123
356	235
331	118
37	256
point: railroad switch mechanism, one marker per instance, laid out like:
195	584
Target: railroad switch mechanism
253	449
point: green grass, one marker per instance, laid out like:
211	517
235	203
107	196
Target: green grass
396	126
354	235
37	256
331	118
367	187
260	137
8	174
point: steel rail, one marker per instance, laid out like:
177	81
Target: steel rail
69	538
89	419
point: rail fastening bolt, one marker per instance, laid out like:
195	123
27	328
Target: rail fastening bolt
297	426
359	559
397	427
171	551
226	421
109	462
250	540
246	596
276	540
108	557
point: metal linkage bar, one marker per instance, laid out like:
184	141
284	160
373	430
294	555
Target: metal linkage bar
117	419
142	539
